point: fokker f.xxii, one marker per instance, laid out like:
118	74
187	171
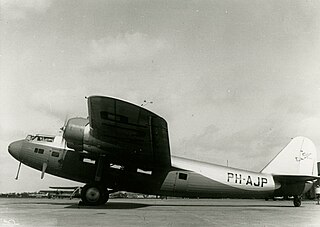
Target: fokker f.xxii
125	147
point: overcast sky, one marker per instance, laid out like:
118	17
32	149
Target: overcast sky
236	80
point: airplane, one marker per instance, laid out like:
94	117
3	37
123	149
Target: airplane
121	146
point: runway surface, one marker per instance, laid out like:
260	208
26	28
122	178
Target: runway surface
153	212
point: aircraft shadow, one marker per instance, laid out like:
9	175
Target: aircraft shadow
43	202
122	205
110	206
134	205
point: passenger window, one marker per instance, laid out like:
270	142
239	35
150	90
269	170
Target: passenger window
55	154
36	150
40	151
183	176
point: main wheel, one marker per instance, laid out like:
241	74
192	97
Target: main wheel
297	201
94	194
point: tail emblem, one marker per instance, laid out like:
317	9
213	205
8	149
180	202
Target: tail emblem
303	156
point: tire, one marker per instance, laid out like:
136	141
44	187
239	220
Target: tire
297	201
94	194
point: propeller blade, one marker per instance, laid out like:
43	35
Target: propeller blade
63	128
64	123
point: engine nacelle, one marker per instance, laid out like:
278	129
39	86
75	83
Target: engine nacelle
74	132
78	137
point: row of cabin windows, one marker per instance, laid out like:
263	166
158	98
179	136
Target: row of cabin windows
41	151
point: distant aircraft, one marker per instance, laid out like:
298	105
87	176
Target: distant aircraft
124	147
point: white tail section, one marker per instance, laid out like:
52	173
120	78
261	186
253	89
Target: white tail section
298	158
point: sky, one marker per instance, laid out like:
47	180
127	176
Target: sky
235	80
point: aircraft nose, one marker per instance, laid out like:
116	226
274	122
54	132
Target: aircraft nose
14	149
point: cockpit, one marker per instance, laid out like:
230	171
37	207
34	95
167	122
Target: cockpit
39	138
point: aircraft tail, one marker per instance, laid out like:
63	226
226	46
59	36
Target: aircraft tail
298	158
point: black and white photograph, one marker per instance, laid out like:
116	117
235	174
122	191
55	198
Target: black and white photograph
159	113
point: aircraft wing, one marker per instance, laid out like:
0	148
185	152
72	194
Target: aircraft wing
139	135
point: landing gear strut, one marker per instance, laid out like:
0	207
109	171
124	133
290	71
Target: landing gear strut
94	194
297	201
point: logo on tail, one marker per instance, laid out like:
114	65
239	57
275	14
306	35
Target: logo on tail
299	157
303	155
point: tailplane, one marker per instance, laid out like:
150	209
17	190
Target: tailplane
298	158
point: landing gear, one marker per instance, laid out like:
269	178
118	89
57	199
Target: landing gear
297	201
94	194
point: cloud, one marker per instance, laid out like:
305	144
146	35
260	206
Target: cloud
19	9
125	50
299	103
255	145
59	103
255	140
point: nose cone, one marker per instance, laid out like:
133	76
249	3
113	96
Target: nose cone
14	149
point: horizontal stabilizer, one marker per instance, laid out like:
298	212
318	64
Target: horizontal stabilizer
294	178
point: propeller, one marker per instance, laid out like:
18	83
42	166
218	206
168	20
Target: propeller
65	122
62	129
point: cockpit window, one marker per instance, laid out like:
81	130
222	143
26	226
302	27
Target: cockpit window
39	138
49	139
30	137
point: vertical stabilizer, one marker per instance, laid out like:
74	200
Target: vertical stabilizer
299	157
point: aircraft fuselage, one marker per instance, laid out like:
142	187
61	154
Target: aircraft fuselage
185	178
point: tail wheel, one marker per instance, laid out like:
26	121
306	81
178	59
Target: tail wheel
94	194
297	201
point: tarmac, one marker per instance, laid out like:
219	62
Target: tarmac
157	212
